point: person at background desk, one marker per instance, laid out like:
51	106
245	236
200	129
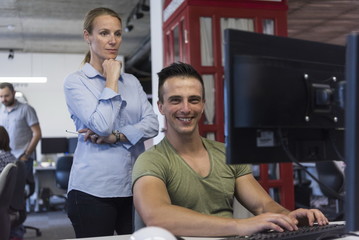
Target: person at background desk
183	183
5	151
21	122
113	117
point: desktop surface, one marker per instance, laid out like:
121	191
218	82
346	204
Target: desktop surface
338	228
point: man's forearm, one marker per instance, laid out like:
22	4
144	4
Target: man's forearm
275	207
36	136
185	222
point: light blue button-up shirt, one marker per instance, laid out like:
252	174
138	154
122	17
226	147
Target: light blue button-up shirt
18	124
104	170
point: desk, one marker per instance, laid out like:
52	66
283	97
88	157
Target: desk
127	237
45	178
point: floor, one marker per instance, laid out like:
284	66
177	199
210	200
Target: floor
52	224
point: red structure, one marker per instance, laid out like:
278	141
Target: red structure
193	33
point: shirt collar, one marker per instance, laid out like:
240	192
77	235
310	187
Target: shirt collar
4	109
91	72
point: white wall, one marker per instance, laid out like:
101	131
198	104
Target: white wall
157	59
47	98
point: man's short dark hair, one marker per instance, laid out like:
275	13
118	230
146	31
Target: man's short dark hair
7	85
178	69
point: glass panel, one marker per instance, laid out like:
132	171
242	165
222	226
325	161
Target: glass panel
184	42
273	171
168	50
176	50
256	171
211	136
274	193
268	26
206	41
245	24
209	89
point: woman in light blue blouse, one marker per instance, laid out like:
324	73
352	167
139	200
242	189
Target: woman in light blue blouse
113	116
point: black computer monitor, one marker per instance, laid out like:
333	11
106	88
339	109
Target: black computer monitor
280	94
54	145
283	99
352	134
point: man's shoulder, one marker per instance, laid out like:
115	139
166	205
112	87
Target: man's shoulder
158	149
214	144
24	105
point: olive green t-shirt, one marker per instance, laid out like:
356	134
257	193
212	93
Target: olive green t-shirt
211	195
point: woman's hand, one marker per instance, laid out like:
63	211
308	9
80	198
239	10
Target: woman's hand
112	72
94	138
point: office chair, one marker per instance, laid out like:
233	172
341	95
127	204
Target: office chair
17	204
7	186
30	183
62	173
333	178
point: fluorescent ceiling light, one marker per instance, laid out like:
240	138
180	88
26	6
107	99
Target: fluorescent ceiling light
24	79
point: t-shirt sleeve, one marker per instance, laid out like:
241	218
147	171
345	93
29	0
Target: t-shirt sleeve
242	169
149	163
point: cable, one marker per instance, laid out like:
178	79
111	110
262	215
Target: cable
294	160
331	139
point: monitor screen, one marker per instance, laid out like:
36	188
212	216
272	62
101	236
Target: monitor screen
352	134
283	99
53	145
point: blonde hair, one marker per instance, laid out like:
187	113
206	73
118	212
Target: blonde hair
88	23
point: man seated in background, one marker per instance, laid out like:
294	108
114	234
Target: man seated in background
184	185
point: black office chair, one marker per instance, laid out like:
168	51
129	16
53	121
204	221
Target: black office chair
62	174
332	179
7	186
30	183
63	168
17	204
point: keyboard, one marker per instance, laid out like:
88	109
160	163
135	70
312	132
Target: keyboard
303	233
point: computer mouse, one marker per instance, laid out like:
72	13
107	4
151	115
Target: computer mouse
152	233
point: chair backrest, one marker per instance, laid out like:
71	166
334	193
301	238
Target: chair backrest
18	197
331	176
17	203
7	186
63	168
30	179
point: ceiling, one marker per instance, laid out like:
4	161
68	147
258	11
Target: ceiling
328	21
55	26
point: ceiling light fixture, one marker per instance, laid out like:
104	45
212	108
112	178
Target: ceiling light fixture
9	27
129	28
24	79
11	54
145	7
138	15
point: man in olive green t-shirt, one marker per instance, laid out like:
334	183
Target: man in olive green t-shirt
183	184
